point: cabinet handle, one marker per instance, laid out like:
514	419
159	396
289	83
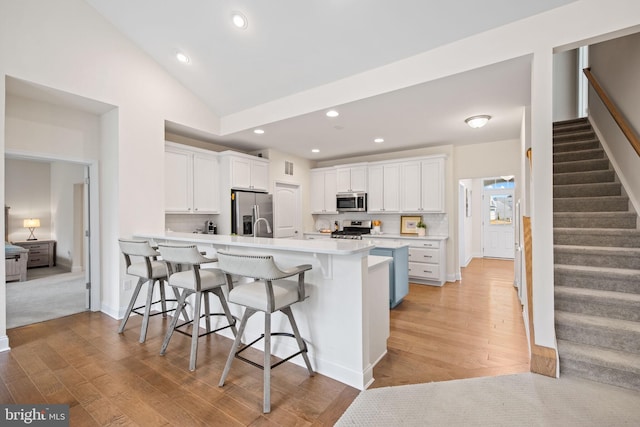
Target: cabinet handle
428	271
428	256
195	209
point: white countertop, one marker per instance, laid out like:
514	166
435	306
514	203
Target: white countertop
386	236
320	246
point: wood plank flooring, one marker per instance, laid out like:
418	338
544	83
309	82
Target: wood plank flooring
464	329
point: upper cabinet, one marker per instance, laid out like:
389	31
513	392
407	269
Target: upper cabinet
191	180
247	172
422	185
352	179
384	188
323	191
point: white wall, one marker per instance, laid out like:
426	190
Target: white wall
64	176
616	65
565	85
28	193
66	45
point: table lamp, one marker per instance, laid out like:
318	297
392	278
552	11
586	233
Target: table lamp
31	224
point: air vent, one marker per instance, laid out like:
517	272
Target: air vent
288	168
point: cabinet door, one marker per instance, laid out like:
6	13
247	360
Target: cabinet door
259	176
410	187
240	173
317	192
343	180
177	181
330	190
375	197
391	185
206	192
359	179
433	185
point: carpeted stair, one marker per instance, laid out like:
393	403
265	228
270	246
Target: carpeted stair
597	262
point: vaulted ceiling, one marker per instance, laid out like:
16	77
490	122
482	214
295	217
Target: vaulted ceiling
291	47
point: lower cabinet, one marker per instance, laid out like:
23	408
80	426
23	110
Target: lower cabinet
427	262
42	253
398	277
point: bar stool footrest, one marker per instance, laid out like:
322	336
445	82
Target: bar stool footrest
176	329
169	310
273	334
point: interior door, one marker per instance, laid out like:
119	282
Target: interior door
288	220
498	229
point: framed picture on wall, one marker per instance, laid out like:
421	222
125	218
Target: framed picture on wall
409	224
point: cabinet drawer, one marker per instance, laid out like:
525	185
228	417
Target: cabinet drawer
37	247
424	271
429	244
424	255
38	252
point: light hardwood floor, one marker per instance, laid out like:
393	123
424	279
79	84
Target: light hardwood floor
464	329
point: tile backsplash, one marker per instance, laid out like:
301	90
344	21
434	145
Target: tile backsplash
187	223
437	223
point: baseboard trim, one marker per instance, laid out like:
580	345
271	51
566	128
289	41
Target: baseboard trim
4	343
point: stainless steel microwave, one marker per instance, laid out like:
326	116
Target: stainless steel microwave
351	202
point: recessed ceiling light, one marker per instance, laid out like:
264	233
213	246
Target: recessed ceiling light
258	131
181	57
477	121
378	140
332	113
239	20
315	150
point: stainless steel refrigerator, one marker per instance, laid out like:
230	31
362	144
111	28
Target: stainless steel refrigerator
251	211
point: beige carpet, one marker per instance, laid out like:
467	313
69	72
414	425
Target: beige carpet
510	400
45	298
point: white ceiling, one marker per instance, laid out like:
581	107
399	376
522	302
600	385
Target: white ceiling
293	46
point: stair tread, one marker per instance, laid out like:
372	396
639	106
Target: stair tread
596	214
631	273
604	250
604	357
601	231
621	297
597	321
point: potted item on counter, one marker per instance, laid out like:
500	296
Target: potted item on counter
422	228
376	226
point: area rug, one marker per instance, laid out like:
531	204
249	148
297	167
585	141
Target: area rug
45	298
510	400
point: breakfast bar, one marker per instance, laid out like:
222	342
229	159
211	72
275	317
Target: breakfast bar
345	319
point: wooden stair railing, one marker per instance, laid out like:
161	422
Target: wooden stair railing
627	130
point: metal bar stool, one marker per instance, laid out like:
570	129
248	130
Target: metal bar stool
198	281
268	293
148	270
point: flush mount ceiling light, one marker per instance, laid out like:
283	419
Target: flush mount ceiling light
477	121
332	113
258	131
239	20
378	140
315	150
182	57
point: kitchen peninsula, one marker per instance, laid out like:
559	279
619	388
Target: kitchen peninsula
345	319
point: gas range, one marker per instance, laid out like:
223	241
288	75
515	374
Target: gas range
352	230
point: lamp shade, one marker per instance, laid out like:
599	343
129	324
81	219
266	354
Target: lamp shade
31	223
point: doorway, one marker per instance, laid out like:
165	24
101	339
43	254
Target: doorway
56	192
287	217
498	217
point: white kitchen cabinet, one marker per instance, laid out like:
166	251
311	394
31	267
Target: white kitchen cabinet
427	261
384	188
247	172
422	185
191	180
352	179
323	191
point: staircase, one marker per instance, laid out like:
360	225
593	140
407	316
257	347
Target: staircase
597	262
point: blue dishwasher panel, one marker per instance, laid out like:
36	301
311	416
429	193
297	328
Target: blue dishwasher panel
398	273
